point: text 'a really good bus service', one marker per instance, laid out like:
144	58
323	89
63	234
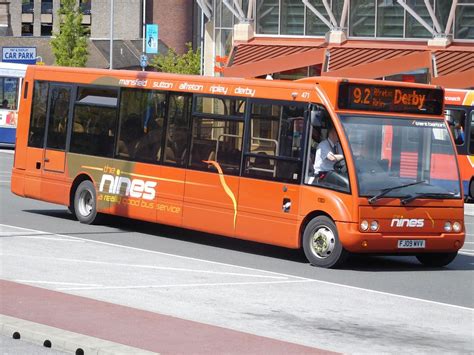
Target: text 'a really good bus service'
249	159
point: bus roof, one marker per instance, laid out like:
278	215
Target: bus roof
13	70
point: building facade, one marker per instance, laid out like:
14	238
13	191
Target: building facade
32	23
413	40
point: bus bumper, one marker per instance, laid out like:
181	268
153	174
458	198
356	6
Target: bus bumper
356	241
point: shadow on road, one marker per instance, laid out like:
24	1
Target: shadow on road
364	263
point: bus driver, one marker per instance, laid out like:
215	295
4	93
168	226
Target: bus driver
328	153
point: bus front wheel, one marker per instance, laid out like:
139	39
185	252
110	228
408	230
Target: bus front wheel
85	203
321	243
436	259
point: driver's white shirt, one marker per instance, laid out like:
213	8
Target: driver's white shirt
321	161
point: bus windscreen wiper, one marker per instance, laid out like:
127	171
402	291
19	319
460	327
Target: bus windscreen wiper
387	190
408	199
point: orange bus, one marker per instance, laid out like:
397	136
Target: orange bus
460	117
248	159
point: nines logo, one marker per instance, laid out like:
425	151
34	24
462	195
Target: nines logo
406	222
121	185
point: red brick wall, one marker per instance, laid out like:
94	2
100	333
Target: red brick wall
175	20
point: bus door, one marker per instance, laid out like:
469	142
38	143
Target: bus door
269	195
54	187
212	180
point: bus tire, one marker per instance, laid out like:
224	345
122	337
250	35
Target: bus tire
321	243
85	203
436	259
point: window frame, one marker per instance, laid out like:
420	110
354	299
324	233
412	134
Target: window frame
246	153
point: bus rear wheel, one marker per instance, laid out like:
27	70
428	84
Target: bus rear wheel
436	259
321	243
85	203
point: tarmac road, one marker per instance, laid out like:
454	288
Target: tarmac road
374	304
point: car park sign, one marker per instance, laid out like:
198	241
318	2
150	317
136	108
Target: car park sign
21	55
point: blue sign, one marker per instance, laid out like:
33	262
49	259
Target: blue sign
151	39
21	55
143	61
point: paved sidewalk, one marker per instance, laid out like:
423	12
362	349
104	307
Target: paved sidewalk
101	327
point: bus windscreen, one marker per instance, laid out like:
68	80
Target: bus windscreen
363	97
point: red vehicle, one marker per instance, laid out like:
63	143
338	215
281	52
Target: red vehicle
459	106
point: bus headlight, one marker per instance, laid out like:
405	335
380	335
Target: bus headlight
457	227
448	227
364	226
374	225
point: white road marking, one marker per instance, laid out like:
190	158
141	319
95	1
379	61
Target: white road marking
140	266
55	283
253	269
182	285
48	238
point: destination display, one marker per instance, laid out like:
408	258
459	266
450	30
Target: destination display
353	96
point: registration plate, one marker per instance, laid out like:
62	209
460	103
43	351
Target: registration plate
410	243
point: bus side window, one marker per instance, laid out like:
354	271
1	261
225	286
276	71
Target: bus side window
274	149
457	123
38	115
141	125
217	141
95	116
177	131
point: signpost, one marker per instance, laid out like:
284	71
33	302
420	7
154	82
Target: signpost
143	61
20	55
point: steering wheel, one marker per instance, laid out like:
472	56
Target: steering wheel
340	167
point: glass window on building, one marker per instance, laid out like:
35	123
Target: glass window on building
267	16
314	26
46	6
27	6
27	29
85	6
292	17
420	76
413	28
390	19
46	30
464	20
362	18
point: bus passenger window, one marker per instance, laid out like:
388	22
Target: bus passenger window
218	141
179	113
38	115
141	125
275	147
95	116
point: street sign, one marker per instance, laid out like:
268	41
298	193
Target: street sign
21	55
151	39
143	61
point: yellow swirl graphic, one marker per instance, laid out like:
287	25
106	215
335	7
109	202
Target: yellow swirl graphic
225	186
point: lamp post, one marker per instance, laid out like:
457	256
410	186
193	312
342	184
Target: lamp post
111	54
